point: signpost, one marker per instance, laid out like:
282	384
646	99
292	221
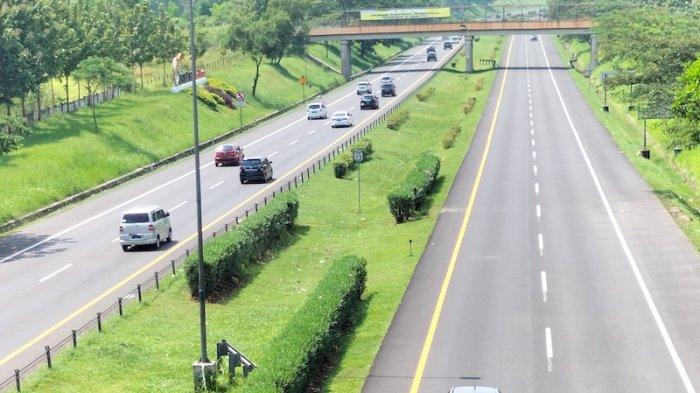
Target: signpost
240	104
358	155
303	82
406	13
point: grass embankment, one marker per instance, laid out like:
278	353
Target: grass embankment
65	155
162	334
673	179
329	53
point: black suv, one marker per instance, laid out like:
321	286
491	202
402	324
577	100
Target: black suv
388	89
447	45
256	169
432	56
369	101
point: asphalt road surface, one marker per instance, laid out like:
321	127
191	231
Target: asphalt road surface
553	267
58	272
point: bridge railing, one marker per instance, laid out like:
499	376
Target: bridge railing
474	13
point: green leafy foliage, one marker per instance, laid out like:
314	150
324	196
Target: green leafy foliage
406	199
365	145
448	139
399	117
100	72
207	98
311	338
469	105
342	164
229	258
222	85
12	132
424	94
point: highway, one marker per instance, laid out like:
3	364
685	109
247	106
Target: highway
58	272
553	266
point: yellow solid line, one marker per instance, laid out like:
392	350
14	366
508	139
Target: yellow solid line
427	344
125	281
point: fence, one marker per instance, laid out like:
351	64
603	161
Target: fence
318	161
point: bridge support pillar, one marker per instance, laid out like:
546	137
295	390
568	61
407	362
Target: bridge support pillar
469	53
594	54
346	58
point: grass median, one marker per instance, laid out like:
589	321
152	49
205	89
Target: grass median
65	155
159	339
673	179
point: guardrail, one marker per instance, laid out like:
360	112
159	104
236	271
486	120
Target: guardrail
235	359
170	269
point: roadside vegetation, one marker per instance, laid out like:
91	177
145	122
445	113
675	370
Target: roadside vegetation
162	333
649	65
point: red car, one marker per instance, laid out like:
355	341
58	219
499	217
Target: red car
228	154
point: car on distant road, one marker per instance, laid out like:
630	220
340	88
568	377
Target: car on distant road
148	225
430	49
533	38
455	39
256	169
228	154
364	87
317	110
474	389
432	56
388	89
447	45
386	79
341	119
369	101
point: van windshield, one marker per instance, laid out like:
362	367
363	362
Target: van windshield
133	218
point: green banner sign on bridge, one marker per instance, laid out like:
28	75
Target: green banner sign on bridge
407	13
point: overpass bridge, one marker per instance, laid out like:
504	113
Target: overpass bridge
469	21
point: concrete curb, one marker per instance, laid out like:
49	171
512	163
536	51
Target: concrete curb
44	211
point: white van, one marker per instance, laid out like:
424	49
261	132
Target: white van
145	226
317	110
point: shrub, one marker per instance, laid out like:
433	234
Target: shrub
424	94
407	198
398	118
365	145
342	164
311	338
456	129
221	96
229	258
469	105
205	97
448	140
479	83
223	86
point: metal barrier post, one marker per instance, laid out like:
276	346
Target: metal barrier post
172	265
158	281
75	338
121	307
19	388
138	289
48	355
99	322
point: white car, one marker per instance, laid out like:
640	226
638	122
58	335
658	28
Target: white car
455	39
148	225
364	87
341	119
317	110
386	79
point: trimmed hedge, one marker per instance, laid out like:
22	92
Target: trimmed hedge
342	164
229	258
407	198
223	86
205	97
310	340
398	118
365	145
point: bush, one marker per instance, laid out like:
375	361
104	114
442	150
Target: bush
448	140
216	94
398	118
469	105
223	86
311	338
365	145
18	128
342	164
479	83
407	198
424	94
229	258
205	97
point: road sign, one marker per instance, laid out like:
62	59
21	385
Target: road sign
303	80
359	156
240	96
239	104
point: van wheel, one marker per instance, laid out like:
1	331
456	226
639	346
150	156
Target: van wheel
157	245
170	235
125	248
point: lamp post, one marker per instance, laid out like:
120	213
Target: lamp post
203	371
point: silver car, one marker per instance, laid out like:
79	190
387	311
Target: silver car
341	119
317	110
474	389
364	87
145	226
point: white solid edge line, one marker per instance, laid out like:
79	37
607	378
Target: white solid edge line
56	272
678	363
104	213
216	185
179	205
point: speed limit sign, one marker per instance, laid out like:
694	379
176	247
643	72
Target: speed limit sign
240	96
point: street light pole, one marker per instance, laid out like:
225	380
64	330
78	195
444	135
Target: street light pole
203	371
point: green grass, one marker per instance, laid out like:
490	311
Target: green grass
160	338
673	179
65	155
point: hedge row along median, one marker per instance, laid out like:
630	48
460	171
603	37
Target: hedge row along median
345	161
310	339
407	198
228	258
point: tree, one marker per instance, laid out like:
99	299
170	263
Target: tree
12	140
140	28
100	72
687	100
251	36
169	39
15	77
